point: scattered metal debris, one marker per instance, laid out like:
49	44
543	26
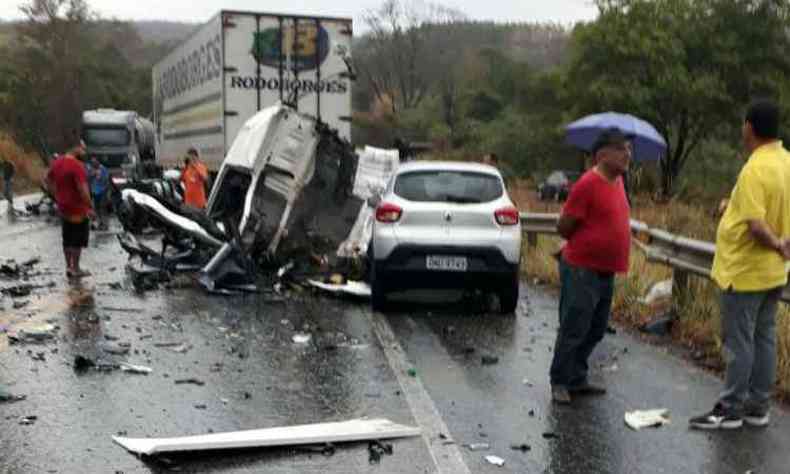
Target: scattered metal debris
192	381
523	447
376	450
28	420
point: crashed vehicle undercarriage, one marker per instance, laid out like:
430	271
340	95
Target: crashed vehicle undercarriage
288	196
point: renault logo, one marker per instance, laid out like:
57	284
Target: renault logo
448	217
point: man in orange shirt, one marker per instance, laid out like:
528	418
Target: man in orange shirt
194	178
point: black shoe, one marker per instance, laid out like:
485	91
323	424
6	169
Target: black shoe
560	395
757	416
718	418
587	388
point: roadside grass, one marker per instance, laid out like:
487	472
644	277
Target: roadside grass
29	166
697	327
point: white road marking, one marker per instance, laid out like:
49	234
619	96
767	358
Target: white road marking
446	457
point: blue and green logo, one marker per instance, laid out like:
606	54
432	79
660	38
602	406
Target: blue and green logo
306	46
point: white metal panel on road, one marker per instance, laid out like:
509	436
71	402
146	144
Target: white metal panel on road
339	432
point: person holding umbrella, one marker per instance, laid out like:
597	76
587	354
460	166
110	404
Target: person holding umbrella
595	221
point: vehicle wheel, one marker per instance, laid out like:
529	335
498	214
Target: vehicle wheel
508	296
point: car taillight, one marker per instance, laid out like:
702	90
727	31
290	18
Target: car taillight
507	216
388	213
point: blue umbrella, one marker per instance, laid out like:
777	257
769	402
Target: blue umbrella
648	144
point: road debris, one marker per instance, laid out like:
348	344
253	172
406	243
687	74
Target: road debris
550	435
495	460
135	369
376	450
192	381
201	406
116	348
353	288
489	360
478	446
7	397
327	450
34	334
658	291
660	325
322	433
523	447
28	420
639	419
301	338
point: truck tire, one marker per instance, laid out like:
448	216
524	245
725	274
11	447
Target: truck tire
508	295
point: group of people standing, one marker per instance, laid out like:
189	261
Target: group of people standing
81	190
750	268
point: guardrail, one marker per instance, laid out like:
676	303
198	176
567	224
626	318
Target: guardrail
686	256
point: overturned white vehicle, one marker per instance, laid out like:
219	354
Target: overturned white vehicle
285	193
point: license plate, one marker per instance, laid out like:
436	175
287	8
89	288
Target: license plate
450	264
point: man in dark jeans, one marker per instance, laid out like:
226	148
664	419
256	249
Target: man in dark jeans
749	268
596	223
9	170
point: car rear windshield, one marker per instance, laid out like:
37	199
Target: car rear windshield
464	187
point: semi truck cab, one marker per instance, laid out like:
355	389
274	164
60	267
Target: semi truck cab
120	139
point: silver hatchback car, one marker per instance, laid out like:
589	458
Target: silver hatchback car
446	225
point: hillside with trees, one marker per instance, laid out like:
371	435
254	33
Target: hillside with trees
428	73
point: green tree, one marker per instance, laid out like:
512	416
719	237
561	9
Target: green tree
687	66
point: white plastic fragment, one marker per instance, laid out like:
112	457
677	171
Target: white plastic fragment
639	419
301	338
658	291
495	460
135	369
353	288
338	432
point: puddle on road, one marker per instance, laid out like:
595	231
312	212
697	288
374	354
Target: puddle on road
46	308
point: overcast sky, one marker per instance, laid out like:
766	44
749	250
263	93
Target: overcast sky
562	11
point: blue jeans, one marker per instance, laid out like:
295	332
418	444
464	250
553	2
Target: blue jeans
585	305
8	189
748	323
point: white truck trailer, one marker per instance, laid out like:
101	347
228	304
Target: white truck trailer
239	63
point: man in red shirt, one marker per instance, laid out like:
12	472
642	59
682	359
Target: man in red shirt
596	223
67	180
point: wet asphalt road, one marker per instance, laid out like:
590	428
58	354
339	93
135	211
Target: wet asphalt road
255	376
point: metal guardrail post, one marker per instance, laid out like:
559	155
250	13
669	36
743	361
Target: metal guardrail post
532	239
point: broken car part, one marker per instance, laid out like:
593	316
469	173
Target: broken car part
338	432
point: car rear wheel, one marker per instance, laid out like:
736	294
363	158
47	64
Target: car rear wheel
508	295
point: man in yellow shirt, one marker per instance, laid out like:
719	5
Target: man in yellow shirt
749	268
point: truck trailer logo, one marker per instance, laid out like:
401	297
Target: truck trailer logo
301	47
